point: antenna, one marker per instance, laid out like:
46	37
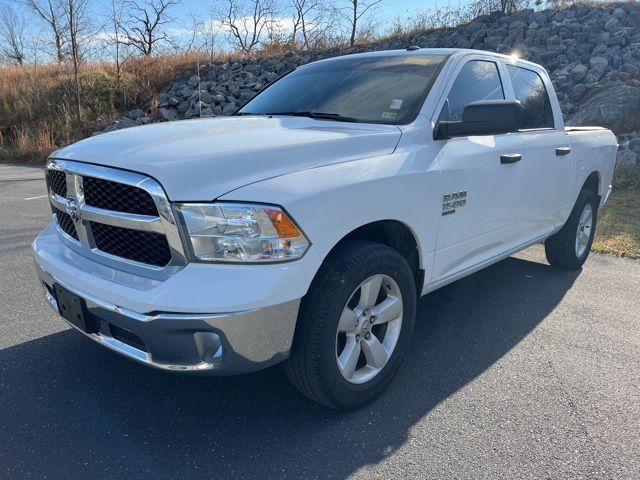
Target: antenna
199	92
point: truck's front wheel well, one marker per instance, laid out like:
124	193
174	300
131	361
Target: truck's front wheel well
395	235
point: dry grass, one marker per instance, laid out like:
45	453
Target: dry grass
618	230
37	102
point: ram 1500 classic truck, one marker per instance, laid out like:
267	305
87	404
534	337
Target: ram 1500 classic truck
305	227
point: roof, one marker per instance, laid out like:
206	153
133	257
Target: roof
458	52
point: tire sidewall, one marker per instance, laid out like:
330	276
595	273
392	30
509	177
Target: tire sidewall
560	248
394	266
593	201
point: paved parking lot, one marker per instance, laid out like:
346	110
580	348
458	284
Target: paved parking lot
519	371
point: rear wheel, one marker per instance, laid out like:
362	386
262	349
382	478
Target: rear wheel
569	248
354	327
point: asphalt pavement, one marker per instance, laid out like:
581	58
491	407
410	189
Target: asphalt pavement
518	371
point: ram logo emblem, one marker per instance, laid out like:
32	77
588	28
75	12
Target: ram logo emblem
451	201
71	207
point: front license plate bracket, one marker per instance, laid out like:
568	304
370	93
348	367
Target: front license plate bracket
74	309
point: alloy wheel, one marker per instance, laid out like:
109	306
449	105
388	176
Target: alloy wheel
583	234
369	329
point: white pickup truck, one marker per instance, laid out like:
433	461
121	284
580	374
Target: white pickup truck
304	228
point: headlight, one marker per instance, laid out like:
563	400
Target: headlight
227	232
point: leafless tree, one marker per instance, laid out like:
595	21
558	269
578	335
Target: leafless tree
353	12
438	16
556	3
483	7
311	22
301	11
114	14
52	13
206	34
508	6
145	27
246	21
209	38
12	35
77	26
195	26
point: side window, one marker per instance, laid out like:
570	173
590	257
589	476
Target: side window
477	80
531	92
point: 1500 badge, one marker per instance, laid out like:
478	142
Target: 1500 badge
451	201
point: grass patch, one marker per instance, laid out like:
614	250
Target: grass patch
38	105
627	178
618	230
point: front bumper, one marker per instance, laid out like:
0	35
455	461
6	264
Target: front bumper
223	319
226	343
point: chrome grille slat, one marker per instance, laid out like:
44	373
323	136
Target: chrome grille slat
57	201
137	233
131	221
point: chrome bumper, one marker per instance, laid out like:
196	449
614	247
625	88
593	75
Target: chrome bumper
220	343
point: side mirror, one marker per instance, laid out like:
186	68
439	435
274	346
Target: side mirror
487	117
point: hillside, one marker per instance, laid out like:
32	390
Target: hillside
591	53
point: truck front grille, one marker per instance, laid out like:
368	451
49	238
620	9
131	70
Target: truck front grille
57	181
143	247
117	196
65	222
115	217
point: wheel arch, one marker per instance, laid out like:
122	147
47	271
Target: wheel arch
593	183
395	234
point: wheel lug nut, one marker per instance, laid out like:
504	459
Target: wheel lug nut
357	337
367	336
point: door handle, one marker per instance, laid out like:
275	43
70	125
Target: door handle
563	151
510	158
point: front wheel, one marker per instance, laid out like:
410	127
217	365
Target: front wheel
354	327
569	248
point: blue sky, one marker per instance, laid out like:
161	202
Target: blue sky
385	14
390	9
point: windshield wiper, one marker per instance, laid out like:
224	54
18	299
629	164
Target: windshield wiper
317	115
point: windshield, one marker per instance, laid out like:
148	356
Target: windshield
373	89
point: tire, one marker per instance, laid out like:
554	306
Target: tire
561	248
340	289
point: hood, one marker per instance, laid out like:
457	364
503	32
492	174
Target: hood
200	160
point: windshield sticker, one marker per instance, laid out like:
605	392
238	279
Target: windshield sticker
396	104
422	60
389	115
